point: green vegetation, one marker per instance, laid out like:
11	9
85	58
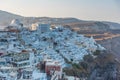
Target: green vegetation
103	63
97	52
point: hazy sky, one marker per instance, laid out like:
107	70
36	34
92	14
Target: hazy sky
105	10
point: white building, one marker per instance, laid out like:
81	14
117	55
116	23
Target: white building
72	78
34	27
14	25
39	76
25	59
43	28
27	73
53	68
2	62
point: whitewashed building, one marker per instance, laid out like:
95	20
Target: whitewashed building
14	25
25	59
34	27
43	28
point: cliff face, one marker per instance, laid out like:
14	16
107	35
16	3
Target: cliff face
112	45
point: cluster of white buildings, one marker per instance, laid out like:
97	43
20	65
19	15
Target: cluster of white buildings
23	51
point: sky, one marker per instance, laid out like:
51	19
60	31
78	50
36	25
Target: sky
100	10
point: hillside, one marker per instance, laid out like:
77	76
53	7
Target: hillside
79	55
90	28
6	17
80	26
